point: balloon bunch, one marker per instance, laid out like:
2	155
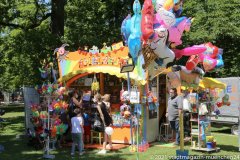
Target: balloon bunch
154	28
225	101
207	54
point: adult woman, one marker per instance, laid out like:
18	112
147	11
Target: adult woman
106	120
74	102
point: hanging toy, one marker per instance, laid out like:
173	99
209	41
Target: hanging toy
225	100
95	84
62	53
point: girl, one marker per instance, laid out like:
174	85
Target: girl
106	120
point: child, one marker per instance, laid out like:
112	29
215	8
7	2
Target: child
106	100
87	126
77	131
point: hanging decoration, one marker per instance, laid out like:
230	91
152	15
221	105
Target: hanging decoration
95	85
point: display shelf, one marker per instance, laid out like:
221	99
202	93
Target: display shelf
196	134
217	149
193	120
200	120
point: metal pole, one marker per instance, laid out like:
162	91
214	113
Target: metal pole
137	135
128	84
48	127
47	155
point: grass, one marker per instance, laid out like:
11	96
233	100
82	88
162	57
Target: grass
16	148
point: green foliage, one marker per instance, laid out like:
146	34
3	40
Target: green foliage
216	22
94	22
26	38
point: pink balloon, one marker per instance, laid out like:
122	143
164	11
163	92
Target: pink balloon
189	51
209	63
176	31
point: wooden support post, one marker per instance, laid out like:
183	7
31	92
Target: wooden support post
101	83
181	131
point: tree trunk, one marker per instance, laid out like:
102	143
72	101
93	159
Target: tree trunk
57	17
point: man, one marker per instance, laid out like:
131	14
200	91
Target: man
175	104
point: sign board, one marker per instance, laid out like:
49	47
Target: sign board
31	96
233	90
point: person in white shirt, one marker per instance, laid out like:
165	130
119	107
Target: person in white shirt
77	131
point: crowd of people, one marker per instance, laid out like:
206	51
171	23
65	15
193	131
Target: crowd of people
80	120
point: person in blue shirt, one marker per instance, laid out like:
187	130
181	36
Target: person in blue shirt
87	125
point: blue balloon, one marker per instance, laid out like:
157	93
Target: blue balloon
220	62
134	40
134	45
126	29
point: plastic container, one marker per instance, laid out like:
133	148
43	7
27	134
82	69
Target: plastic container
209	145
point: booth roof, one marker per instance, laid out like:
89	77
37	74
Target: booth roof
208	82
112	70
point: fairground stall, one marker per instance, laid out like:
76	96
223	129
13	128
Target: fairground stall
97	70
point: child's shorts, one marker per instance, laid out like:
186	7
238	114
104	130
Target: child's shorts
76	137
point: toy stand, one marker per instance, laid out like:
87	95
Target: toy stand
47	148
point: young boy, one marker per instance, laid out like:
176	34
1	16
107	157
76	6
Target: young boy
77	131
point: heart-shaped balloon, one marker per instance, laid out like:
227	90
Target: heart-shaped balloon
209	63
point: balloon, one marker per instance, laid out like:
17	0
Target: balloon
177	8
109	130
159	4
134	45
219	104
160	49
176	31
209	63
173	79
225	99
189	51
192	62
134	41
220	62
147	20
167	18
157	21
125	28
168	4
189	77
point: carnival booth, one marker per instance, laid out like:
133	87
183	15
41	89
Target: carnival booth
96	70
202	103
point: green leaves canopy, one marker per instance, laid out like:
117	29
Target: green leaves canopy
26	35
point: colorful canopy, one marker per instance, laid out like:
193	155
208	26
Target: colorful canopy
205	83
80	62
208	82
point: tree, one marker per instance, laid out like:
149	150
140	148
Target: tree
216	22
28	34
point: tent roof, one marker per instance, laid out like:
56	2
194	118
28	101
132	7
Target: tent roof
112	70
208	82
